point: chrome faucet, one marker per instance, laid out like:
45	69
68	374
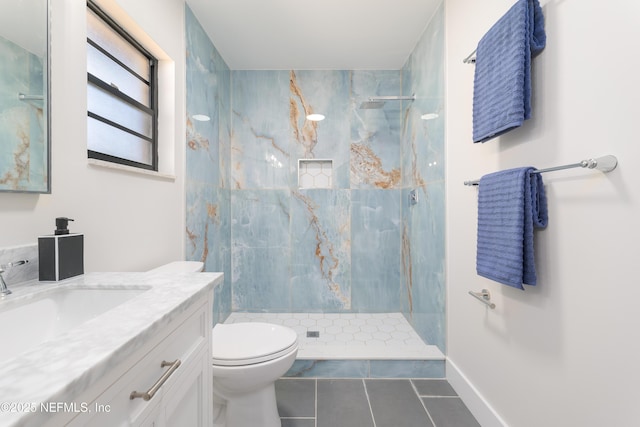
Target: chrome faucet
4	291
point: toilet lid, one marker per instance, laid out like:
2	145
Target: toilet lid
238	344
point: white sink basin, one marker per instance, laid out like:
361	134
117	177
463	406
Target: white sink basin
29	321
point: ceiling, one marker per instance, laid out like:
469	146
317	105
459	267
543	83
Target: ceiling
24	23
320	35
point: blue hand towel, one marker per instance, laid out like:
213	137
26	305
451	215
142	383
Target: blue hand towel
502	83
511	204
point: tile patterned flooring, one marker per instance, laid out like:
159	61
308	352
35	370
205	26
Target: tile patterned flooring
370	403
351	402
386	336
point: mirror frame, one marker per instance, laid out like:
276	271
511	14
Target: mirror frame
46	109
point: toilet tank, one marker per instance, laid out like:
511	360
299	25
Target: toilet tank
180	267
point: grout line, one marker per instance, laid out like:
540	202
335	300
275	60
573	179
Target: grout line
366	378
429	395
439	397
411	382
422	403
366	393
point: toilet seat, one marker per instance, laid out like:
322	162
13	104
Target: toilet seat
239	344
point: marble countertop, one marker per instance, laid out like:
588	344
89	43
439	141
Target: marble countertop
60	369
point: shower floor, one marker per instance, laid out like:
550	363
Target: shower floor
350	336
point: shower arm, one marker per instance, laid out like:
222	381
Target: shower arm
392	98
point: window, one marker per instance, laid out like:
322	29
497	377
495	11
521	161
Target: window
122	95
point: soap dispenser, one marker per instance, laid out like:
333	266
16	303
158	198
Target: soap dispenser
61	256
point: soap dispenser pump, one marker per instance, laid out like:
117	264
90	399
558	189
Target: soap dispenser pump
62	224
61	256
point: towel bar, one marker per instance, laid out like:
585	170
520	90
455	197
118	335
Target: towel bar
604	164
483	296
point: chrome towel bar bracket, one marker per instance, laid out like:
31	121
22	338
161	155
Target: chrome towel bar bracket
471	59
483	296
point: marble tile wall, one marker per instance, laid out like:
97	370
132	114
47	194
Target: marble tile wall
321	250
376	250
208	199
355	247
375	133
308	261
23	152
423	249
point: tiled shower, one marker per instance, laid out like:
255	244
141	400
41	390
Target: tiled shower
356	245
23	152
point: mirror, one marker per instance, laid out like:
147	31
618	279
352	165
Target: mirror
24	97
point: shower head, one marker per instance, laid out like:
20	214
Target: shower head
377	102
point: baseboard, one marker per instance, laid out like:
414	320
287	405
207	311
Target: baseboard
479	407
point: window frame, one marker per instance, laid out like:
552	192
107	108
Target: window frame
152	110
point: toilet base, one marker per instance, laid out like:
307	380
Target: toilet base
247	391
257	408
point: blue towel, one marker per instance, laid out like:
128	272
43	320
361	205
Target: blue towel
510	204
502	83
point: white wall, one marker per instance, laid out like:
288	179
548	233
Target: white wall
130	221
564	353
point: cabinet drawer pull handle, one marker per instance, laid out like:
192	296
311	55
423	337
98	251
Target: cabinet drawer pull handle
148	395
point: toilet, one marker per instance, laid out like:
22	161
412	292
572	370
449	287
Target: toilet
247	360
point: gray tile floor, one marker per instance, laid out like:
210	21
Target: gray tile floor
310	402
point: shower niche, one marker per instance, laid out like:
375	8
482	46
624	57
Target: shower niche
315	173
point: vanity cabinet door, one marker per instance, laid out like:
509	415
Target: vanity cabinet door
152	420
185	393
188	401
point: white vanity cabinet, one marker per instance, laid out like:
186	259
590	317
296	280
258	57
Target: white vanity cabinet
181	397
